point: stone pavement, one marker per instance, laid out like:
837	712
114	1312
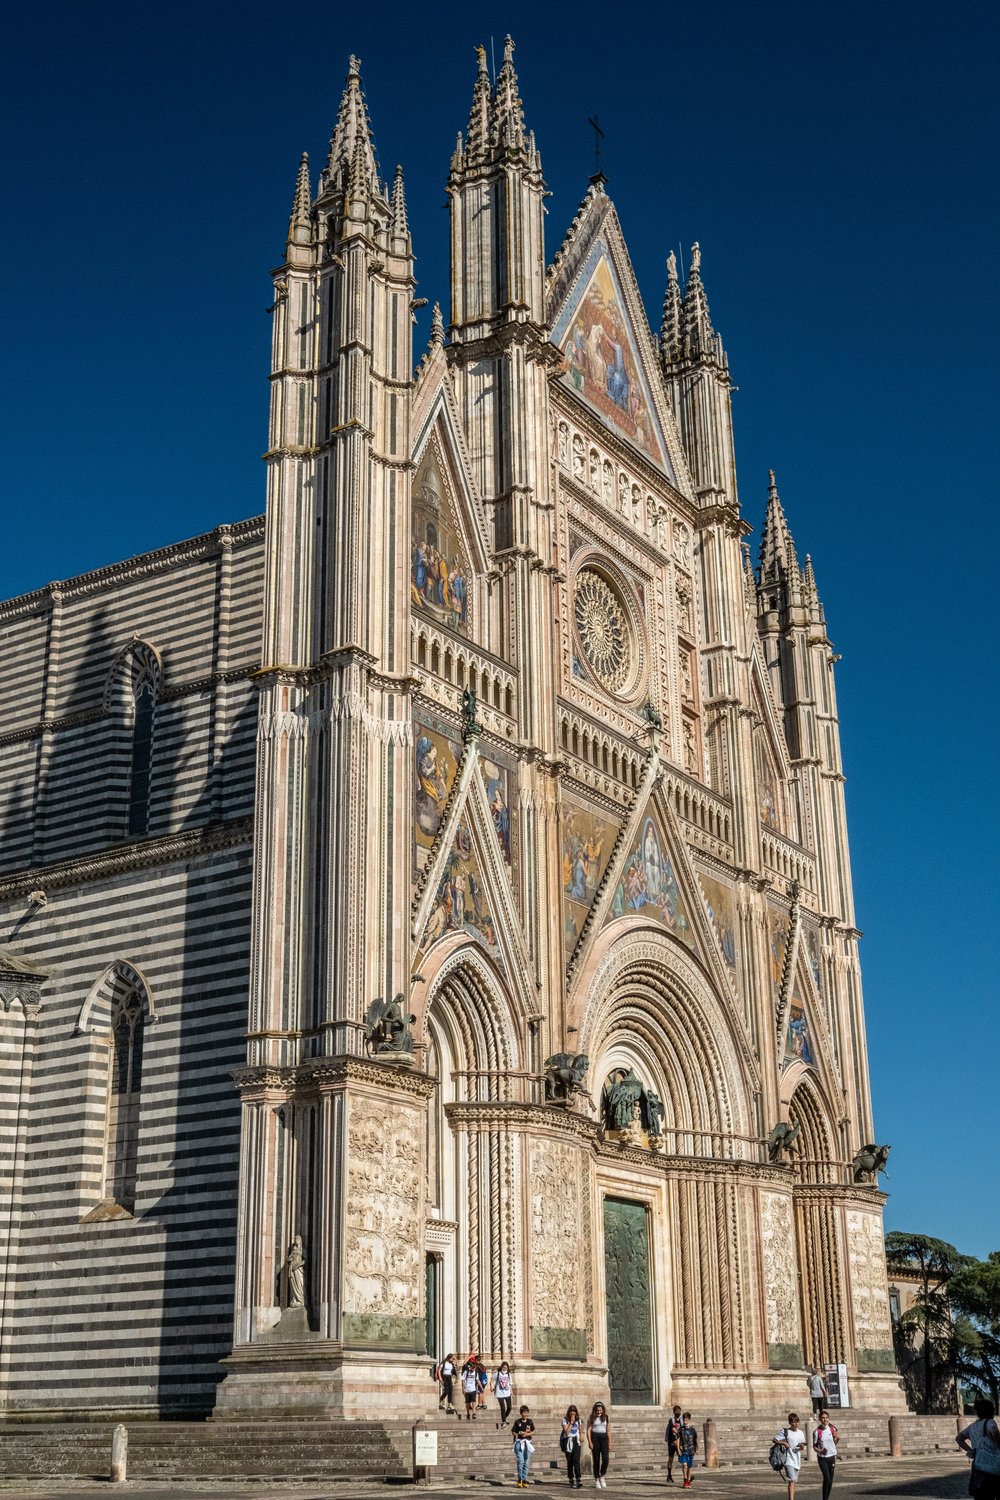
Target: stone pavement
923	1478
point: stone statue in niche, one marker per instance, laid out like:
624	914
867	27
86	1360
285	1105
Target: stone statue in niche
296	1272
781	1139
620	1098
387	1027
869	1162
564	1075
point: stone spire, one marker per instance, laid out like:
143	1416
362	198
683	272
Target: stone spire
670	327
478	130
300	223
351	159
778	562
437	325
399	222
698	334
507	115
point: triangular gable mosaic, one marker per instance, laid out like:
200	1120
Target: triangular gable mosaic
437	754
602	358
461	903
721	903
778	929
648	885
799	1044
588	837
439	569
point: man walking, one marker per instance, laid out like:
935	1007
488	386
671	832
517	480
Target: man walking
670	1438
818	1391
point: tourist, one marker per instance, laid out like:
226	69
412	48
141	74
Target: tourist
817	1390
792	1439
502	1391
687	1447
470	1386
599	1442
670	1438
981	1440
448	1371
523	1430
571	1444
825	1446
483	1379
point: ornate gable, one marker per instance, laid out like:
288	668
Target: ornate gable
599	323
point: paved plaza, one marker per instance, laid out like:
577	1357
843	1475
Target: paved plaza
922	1478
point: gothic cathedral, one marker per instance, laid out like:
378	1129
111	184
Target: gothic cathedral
480	812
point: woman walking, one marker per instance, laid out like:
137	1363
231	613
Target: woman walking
503	1392
793	1440
448	1370
825	1444
981	1440
470	1387
571	1444
599	1442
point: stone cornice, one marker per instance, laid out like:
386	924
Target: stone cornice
326	1073
139	854
209	544
848	1195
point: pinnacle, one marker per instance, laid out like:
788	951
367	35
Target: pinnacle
351	158
698	331
301	203
478	129
777	550
399	222
508	112
670	325
437	324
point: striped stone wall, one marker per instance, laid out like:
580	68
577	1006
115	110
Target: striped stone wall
104	1311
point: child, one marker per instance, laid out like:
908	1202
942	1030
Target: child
523	1431
687	1447
670	1438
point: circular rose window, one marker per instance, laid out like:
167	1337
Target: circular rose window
604	630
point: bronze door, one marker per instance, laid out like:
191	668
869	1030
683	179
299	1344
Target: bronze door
628	1302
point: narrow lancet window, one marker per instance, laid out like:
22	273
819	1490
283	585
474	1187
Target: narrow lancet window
124	1084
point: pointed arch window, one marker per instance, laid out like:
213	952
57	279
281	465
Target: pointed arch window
131	696
124	1087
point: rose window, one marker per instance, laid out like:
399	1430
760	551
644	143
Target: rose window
604	631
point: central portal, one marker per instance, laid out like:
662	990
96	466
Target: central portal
628	1301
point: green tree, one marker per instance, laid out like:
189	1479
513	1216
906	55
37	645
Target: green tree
925	1334
975	1296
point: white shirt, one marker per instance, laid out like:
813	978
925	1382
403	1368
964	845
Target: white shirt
817	1385
795	1439
824	1436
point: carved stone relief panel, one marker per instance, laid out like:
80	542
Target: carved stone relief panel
382	1229
780	1266
869	1291
556	1216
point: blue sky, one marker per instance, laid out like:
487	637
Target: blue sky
837	165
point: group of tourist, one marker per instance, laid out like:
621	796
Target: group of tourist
980	1440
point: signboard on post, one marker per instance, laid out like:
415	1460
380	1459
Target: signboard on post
838	1394
425	1448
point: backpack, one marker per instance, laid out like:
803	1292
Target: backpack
778	1456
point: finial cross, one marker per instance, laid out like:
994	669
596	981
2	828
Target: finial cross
594	123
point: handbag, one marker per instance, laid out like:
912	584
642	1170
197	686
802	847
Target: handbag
987	1455
563	1441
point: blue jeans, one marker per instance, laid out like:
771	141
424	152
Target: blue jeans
523	1455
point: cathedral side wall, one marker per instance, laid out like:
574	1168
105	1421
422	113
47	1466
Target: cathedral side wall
65	730
131	1312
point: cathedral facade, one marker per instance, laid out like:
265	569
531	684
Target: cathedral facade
428	910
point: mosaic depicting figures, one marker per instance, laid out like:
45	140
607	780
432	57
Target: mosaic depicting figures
649	886
798	1039
439	581
587	841
497	783
722	912
436	758
601	359
814	959
460	902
